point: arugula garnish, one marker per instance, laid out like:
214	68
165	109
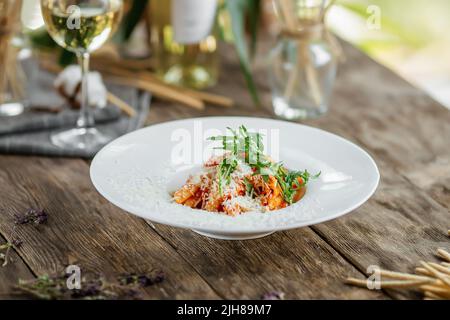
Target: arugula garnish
249	189
248	146
242	144
225	169
290	184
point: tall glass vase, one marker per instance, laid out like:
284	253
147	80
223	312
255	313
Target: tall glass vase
303	64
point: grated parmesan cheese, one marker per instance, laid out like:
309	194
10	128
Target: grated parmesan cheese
245	203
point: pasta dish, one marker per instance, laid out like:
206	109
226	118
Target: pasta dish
243	179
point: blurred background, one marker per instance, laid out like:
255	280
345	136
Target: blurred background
408	36
412	38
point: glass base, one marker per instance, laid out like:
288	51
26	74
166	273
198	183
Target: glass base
80	139
196	76
11	109
284	110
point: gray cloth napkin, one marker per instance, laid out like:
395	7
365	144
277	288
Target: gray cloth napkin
29	133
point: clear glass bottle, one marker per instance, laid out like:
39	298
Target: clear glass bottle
302	68
184	40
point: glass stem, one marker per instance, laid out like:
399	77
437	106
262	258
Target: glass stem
86	119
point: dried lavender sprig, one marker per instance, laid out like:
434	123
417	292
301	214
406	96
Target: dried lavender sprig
55	288
144	280
274	295
36	216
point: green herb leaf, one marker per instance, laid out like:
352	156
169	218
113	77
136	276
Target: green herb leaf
254	16
248	146
238	10
249	189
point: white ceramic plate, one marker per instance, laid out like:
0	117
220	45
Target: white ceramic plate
138	172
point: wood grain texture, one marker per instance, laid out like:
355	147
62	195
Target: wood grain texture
10	274
297	263
408	135
85	229
406	132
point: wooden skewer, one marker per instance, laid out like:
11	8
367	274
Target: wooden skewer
433	296
160	91
133	64
149	77
423	271
128	78
204	96
440	268
403	276
436	273
213	98
356	282
431	278
436	290
389	284
122	105
145	80
444	254
402	284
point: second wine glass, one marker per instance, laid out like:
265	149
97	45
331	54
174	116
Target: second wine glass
82	26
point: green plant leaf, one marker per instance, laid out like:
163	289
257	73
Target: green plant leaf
41	39
132	19
238	10
254	14
66	58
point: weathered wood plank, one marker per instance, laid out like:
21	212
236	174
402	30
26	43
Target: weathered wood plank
405	131
297	263
10	274
408	135
397	122
84	227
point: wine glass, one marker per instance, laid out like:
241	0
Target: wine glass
82	26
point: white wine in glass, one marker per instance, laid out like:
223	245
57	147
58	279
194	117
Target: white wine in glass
82	26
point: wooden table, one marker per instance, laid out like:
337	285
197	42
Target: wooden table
407	133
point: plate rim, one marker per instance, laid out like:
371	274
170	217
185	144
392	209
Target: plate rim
240	229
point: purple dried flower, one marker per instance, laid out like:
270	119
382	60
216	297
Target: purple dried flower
158	277
32	216
89	289
144	280
17	243
95	288
41	217
274	295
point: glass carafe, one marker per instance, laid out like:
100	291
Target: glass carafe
303	64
